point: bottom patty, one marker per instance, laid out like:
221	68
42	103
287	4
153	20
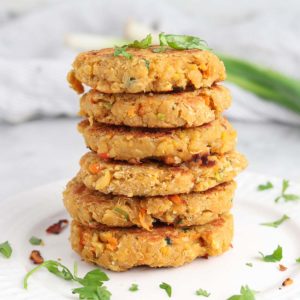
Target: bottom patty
120	249
90	207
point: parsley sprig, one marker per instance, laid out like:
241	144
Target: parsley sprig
92	282
5	249
274	257
267	186
173	41
283	195
182	42
245	294
276	223
167	288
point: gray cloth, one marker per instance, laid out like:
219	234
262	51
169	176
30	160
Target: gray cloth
34	59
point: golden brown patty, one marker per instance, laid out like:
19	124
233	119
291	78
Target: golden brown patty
186	109
120	249
172	146
152	179
90	207
146	71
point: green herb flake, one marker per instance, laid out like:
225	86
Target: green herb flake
201	292
121	51
134	287
5	249
147	63
276	223
249	264
182	42
266	186
298	260
159	50
142	44
107	105
167	288
36	241
274	257
245	294
284	196
168	241
122	212
161	116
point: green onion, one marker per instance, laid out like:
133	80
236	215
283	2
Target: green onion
269	85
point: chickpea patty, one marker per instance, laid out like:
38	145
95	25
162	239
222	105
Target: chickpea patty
185	109
91	208
146	71
155	179
172	146
120	249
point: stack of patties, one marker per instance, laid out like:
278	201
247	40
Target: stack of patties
156	188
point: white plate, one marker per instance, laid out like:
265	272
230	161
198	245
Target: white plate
31	212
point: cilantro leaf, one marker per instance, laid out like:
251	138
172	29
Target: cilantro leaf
245	294
53	267
162	39
121	51
266	186
5	249
284	196
182	42
201	292
94	277
276	223
249	264
298	260
36	241
167	288
142	44
122	212
92	293
274	257
134	287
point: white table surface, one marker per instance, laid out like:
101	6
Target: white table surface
43	151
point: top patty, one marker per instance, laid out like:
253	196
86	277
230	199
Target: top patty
146	71
165	110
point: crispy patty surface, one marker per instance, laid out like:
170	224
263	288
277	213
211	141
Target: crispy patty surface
172	146
91	208
146	71
120	249
153	179
185	109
